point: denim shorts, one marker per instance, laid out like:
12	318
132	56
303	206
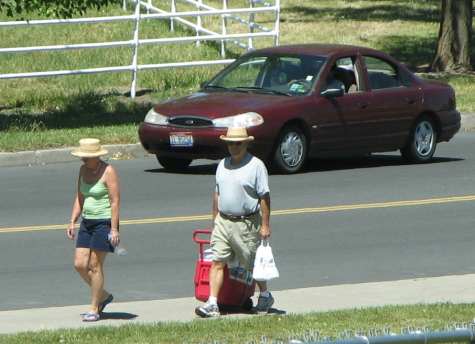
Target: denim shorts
94	234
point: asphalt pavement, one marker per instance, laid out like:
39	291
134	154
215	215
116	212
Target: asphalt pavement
401	254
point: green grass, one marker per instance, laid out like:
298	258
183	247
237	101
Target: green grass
55	112
255	328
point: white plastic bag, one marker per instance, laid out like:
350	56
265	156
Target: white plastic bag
264	264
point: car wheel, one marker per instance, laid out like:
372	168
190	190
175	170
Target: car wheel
291	150
422	142
174	164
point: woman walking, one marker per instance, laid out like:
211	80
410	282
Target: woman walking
97	202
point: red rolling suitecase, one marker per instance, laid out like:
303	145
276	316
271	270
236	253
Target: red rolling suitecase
233	293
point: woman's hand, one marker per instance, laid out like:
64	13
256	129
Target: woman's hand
114	237
71	231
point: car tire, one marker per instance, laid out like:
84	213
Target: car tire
174	164
290	153
422	141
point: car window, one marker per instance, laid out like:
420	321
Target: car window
343	74
289	75
381	74
243	75
292	75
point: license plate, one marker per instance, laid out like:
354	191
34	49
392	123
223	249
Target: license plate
181	140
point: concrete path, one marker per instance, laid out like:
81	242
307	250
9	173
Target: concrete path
455	289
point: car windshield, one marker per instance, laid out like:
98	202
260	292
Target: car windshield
279	75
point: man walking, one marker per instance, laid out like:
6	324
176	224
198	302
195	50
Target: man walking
241	210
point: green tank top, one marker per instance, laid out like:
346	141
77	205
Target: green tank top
96	200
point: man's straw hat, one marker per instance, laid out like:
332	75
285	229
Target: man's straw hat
236	135
89	148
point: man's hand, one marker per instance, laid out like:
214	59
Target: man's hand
265	232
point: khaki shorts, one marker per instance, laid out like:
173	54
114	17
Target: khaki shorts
236	239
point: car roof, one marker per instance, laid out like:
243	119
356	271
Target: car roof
316	49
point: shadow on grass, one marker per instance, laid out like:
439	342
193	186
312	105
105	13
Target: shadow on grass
416	52
370	11
83	110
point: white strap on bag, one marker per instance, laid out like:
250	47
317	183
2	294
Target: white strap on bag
264	264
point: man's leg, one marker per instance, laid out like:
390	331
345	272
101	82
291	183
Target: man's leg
265	300
262	286
216	278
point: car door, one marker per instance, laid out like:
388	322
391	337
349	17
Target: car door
343	111
392	104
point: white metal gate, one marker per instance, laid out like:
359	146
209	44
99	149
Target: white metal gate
201	34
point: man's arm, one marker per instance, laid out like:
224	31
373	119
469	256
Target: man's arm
215	206
265	209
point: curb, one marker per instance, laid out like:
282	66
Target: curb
123	152
468	121
51	156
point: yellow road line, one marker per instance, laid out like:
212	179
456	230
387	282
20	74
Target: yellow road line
429	201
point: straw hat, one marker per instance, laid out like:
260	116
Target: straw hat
236	135
89	148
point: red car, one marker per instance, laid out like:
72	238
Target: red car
305	101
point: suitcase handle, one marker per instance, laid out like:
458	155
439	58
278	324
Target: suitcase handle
201	241
198	232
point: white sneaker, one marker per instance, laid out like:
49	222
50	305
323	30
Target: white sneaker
208	310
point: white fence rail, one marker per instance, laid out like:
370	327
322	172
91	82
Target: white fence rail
201	34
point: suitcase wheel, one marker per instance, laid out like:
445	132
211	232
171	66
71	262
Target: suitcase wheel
247	305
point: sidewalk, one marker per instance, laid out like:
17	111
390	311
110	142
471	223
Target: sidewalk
454	289
119	152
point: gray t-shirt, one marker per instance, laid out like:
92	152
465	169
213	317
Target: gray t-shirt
241	186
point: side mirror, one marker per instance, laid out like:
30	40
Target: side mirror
333	93
203	84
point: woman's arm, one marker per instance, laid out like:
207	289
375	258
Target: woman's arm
76	211
112	183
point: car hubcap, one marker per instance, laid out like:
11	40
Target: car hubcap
291	149
424	138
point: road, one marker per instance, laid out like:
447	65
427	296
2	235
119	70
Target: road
341	221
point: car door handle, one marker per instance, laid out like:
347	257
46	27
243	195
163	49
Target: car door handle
410	101
362	105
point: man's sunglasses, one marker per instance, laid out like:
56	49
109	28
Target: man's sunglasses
232	143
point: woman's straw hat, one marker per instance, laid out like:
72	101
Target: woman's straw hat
236	135
89	148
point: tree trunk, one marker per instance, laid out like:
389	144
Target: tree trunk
455	34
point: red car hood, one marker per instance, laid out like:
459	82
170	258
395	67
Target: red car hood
220	104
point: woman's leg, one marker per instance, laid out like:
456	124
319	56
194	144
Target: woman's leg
81	264
96	263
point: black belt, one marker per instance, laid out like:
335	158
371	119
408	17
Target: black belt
237	217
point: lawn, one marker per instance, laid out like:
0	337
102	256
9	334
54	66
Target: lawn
258	329
55	112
